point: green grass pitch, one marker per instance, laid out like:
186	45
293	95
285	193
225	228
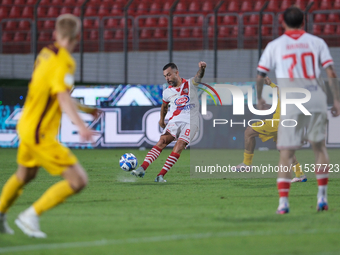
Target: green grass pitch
117	214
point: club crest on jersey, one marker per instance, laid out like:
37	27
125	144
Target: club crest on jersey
183	100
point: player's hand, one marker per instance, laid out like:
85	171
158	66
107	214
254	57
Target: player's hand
266	107
86	135
202	64
261	104
96	113
267	80
162	124
335	109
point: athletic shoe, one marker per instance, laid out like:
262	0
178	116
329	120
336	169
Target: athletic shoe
28	222
159	178
322	205
139	172
4	228
303	178
242	168
282	209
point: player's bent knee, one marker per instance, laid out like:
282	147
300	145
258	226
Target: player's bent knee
76	176
81	181
179	146
250	132
161	143
26	174
164	141
78	183
319	146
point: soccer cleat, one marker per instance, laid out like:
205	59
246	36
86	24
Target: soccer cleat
242	168
159	178
303	178
139	172
282	209
29	224
4	228
322	205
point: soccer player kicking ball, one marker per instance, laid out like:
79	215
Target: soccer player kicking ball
265	130
296	57
48	95
183	123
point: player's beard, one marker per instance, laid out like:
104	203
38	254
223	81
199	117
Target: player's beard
173	82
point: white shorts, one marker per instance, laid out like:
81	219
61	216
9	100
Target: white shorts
181	131
309	128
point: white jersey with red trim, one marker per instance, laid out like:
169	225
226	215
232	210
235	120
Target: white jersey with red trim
184	104
296	57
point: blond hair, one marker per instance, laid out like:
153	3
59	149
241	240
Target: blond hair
68	26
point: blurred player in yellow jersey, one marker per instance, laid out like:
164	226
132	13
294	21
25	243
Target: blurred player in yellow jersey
48	95
266	130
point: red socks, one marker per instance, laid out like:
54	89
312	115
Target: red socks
151	156
171	160
322	178
283	186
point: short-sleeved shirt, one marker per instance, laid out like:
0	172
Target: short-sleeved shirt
296	57
184	104
53	73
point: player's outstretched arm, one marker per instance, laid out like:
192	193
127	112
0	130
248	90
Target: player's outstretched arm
164	111
198	77
95	112
67	105
334	86
259	87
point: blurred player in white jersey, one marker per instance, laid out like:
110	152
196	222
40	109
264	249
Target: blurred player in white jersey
265	130
296	57
181	94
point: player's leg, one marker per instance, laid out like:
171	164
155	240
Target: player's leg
316	134
299	174
57	160
284	179
172	159
321	171
153	154
185	133
11	191
249	147
75	179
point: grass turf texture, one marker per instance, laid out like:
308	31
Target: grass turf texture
202	216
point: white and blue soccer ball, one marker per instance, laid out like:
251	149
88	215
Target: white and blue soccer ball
128	162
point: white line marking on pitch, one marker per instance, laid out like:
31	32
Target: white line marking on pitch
104	242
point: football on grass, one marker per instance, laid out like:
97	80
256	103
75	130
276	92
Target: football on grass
128	162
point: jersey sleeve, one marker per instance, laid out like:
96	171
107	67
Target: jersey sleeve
266	61
325	56
62	79
193	81
166	96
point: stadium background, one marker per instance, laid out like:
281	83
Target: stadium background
122	215
125	44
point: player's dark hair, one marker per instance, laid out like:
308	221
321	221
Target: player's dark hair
293	17
172	65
